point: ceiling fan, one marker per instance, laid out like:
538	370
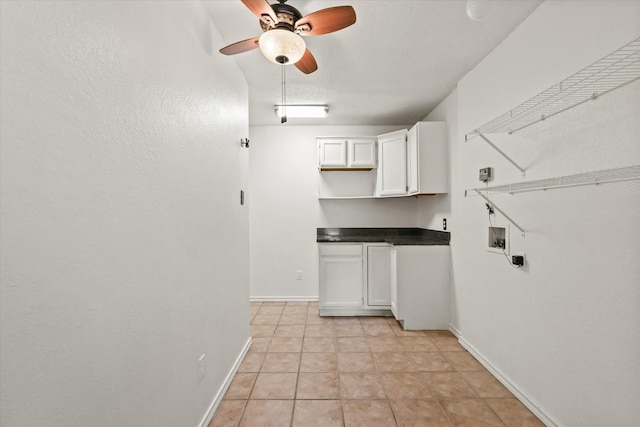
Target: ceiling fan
283	25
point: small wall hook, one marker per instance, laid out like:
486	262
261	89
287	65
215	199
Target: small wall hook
244	142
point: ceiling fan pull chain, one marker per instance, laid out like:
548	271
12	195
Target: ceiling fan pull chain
283	119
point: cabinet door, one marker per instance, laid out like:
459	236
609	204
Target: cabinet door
379	275
362	153
340	276
392	164
423	286
332	153
393	294
412	161
427	158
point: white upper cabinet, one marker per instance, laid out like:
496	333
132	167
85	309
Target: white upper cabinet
427	158
392	167
332	153
344	154
362	153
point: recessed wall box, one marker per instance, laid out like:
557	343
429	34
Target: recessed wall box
486	174
498	239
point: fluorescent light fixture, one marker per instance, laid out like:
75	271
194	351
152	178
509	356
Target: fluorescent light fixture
302	111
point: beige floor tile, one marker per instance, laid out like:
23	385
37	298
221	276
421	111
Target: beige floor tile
241	385
448	385
318	345
339	321
318	331
285	344
485	384
399	332
348	330
359	371
352	344
378	330
318	385
271	309
384	343
513	413
281	362
252	362
404	385
262	331
439	333
368	413
469	413
274	386
265	319
259	344
228	413
430	361
374	320
318	362
419	343
296	309
393	362
361	386
356	362
318	413
463	361
419	413
314	319
289	331
261	413
447	344
293	319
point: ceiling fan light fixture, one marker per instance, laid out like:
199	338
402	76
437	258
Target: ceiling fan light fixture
477	10
302	111
282	46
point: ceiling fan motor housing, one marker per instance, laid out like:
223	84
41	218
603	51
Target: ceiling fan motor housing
287	17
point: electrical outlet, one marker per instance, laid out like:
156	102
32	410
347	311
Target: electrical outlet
299	275
201	366
444	224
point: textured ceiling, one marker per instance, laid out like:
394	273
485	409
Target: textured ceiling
395	64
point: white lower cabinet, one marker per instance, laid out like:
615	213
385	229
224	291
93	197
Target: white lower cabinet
420	286
365	279
378	278
340	278
355	279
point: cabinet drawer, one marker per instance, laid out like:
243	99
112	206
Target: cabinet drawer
340	249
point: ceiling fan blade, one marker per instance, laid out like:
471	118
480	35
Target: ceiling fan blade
307	64
239	47
263	10
326	21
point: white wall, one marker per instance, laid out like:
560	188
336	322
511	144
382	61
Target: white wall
432	210
565	331
123	242
285	210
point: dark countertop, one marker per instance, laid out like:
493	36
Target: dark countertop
395	236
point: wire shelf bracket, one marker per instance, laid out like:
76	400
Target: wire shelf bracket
603	76
503	154
493	206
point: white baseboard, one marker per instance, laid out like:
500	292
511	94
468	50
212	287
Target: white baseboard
225	385
500	377
284	299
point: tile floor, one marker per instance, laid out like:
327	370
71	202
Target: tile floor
307	370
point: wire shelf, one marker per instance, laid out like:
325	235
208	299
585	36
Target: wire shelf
609	73
598	177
